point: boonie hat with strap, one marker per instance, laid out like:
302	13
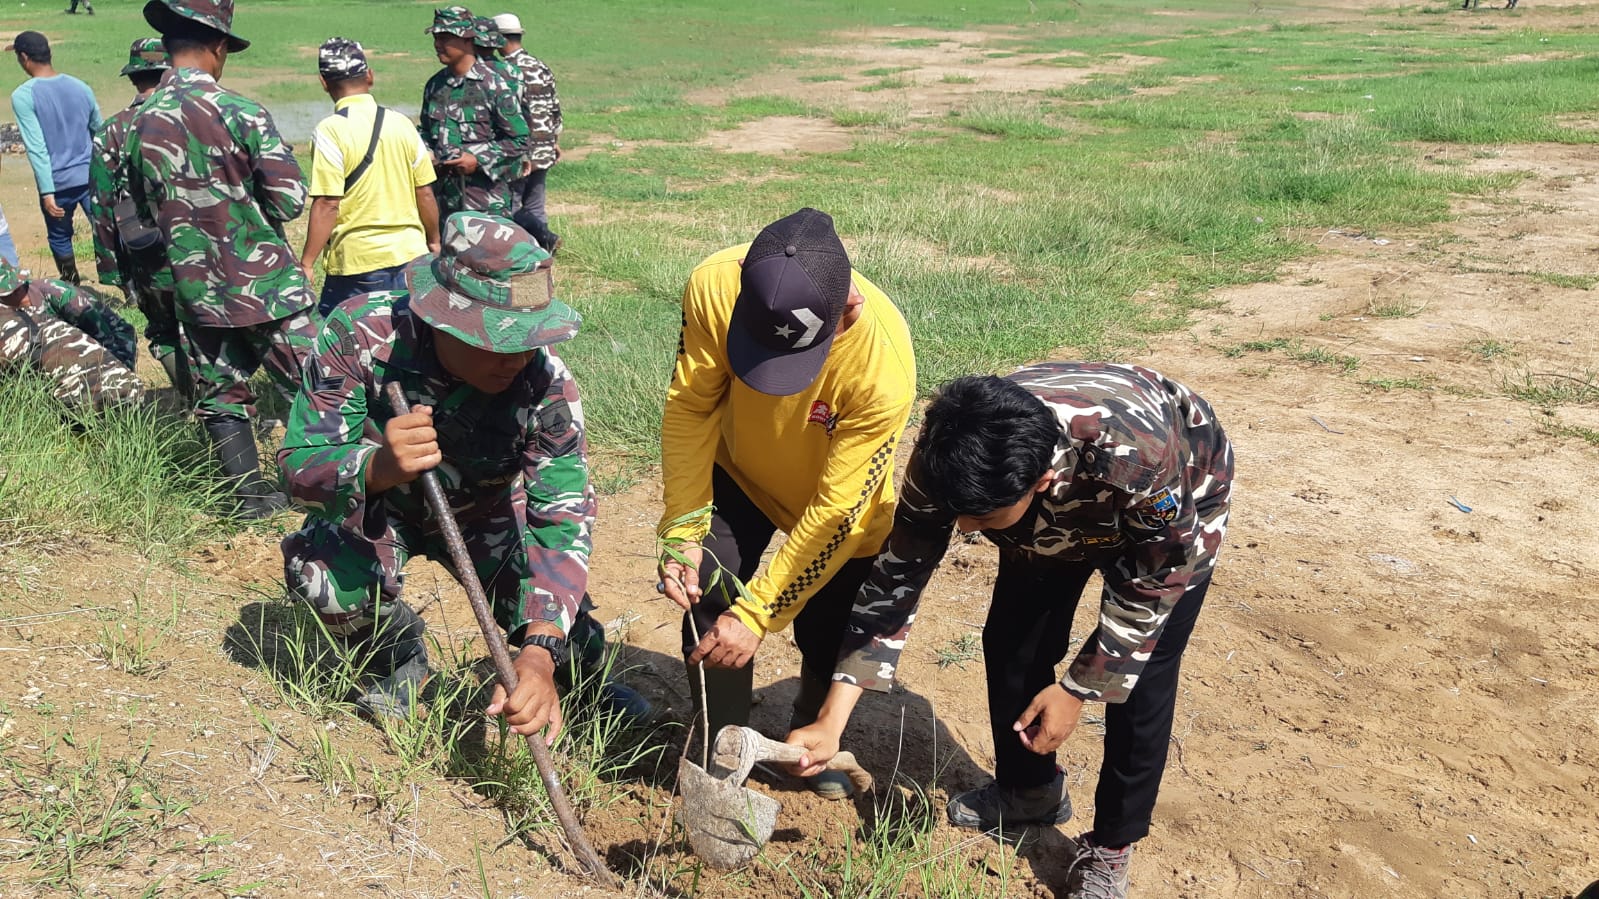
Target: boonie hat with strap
456	20
490	287
793	290
11	278
166	15
147	55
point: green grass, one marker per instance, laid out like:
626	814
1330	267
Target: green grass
136	475
1549	389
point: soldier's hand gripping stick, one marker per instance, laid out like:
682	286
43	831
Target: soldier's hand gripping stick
575	837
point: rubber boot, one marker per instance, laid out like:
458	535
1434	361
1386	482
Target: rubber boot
68	267
177	370
807	705
394	651
730	693
234	443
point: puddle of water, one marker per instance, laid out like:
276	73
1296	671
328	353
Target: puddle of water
297	119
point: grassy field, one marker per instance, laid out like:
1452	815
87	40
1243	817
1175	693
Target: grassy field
1007	225
1097	211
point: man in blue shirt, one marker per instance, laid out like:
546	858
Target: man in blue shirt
56	115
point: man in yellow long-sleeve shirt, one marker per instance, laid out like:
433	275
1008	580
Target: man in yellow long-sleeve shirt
793	383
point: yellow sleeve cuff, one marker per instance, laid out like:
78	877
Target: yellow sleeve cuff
750	618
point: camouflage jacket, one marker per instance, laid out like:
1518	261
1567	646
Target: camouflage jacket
1143	476
542	104
88	313
529	437
80	370
479	113
108	185
207	167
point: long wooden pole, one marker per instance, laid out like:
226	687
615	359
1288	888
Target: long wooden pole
575	837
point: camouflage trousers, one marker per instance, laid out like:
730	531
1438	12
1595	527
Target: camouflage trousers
345	577
221	361
472	193
80	369
161	319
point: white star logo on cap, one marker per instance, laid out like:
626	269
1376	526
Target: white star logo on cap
785	332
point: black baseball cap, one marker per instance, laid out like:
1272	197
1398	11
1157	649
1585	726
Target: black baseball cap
32	43
793	290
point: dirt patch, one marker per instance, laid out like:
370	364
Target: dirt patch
782	134
931	80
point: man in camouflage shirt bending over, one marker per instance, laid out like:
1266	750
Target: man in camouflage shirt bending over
472	120
1070	469
131	269
69	336
208	169
495	412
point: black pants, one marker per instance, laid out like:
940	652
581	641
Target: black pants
1026	637
739	534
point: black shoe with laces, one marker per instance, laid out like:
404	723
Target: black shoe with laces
997	808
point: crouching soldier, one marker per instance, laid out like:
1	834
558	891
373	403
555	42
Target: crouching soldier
68	335
496	413
1070	469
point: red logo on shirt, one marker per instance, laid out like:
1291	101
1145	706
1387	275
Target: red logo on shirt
822	414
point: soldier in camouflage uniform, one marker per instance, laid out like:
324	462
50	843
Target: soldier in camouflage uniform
1070	469
496	413
207	168
472	121
120	266
543	108
68	335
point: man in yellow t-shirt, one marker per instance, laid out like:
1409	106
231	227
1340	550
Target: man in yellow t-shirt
793	383
372	208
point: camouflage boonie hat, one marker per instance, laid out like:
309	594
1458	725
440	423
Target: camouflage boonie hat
490	287
488	33
164	16
11	278
341	58
147	55
456	20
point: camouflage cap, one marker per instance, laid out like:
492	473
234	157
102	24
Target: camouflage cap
456	20
147	55
490	287
12	278
341	58
488	33
165	15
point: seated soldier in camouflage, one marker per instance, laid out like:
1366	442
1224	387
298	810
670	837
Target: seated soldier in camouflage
1071	469
68	335
496	413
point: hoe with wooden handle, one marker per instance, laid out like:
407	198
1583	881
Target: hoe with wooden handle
728	823
581	847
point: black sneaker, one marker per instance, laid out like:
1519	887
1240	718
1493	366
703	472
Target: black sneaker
996	808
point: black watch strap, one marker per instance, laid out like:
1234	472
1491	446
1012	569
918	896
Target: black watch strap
556	646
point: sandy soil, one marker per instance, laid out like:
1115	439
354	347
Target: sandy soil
1387	695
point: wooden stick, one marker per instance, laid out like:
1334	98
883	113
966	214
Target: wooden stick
575	837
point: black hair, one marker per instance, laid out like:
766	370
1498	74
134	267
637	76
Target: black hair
41	56
984	444
143	81
187	34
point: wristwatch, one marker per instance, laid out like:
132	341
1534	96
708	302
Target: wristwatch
556	646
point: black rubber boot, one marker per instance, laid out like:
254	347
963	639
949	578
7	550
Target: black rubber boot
68	267
394	652
730	692
177	369
234	443
807	705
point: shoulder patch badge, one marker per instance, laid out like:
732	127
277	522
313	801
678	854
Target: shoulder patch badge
1159	509
823	414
